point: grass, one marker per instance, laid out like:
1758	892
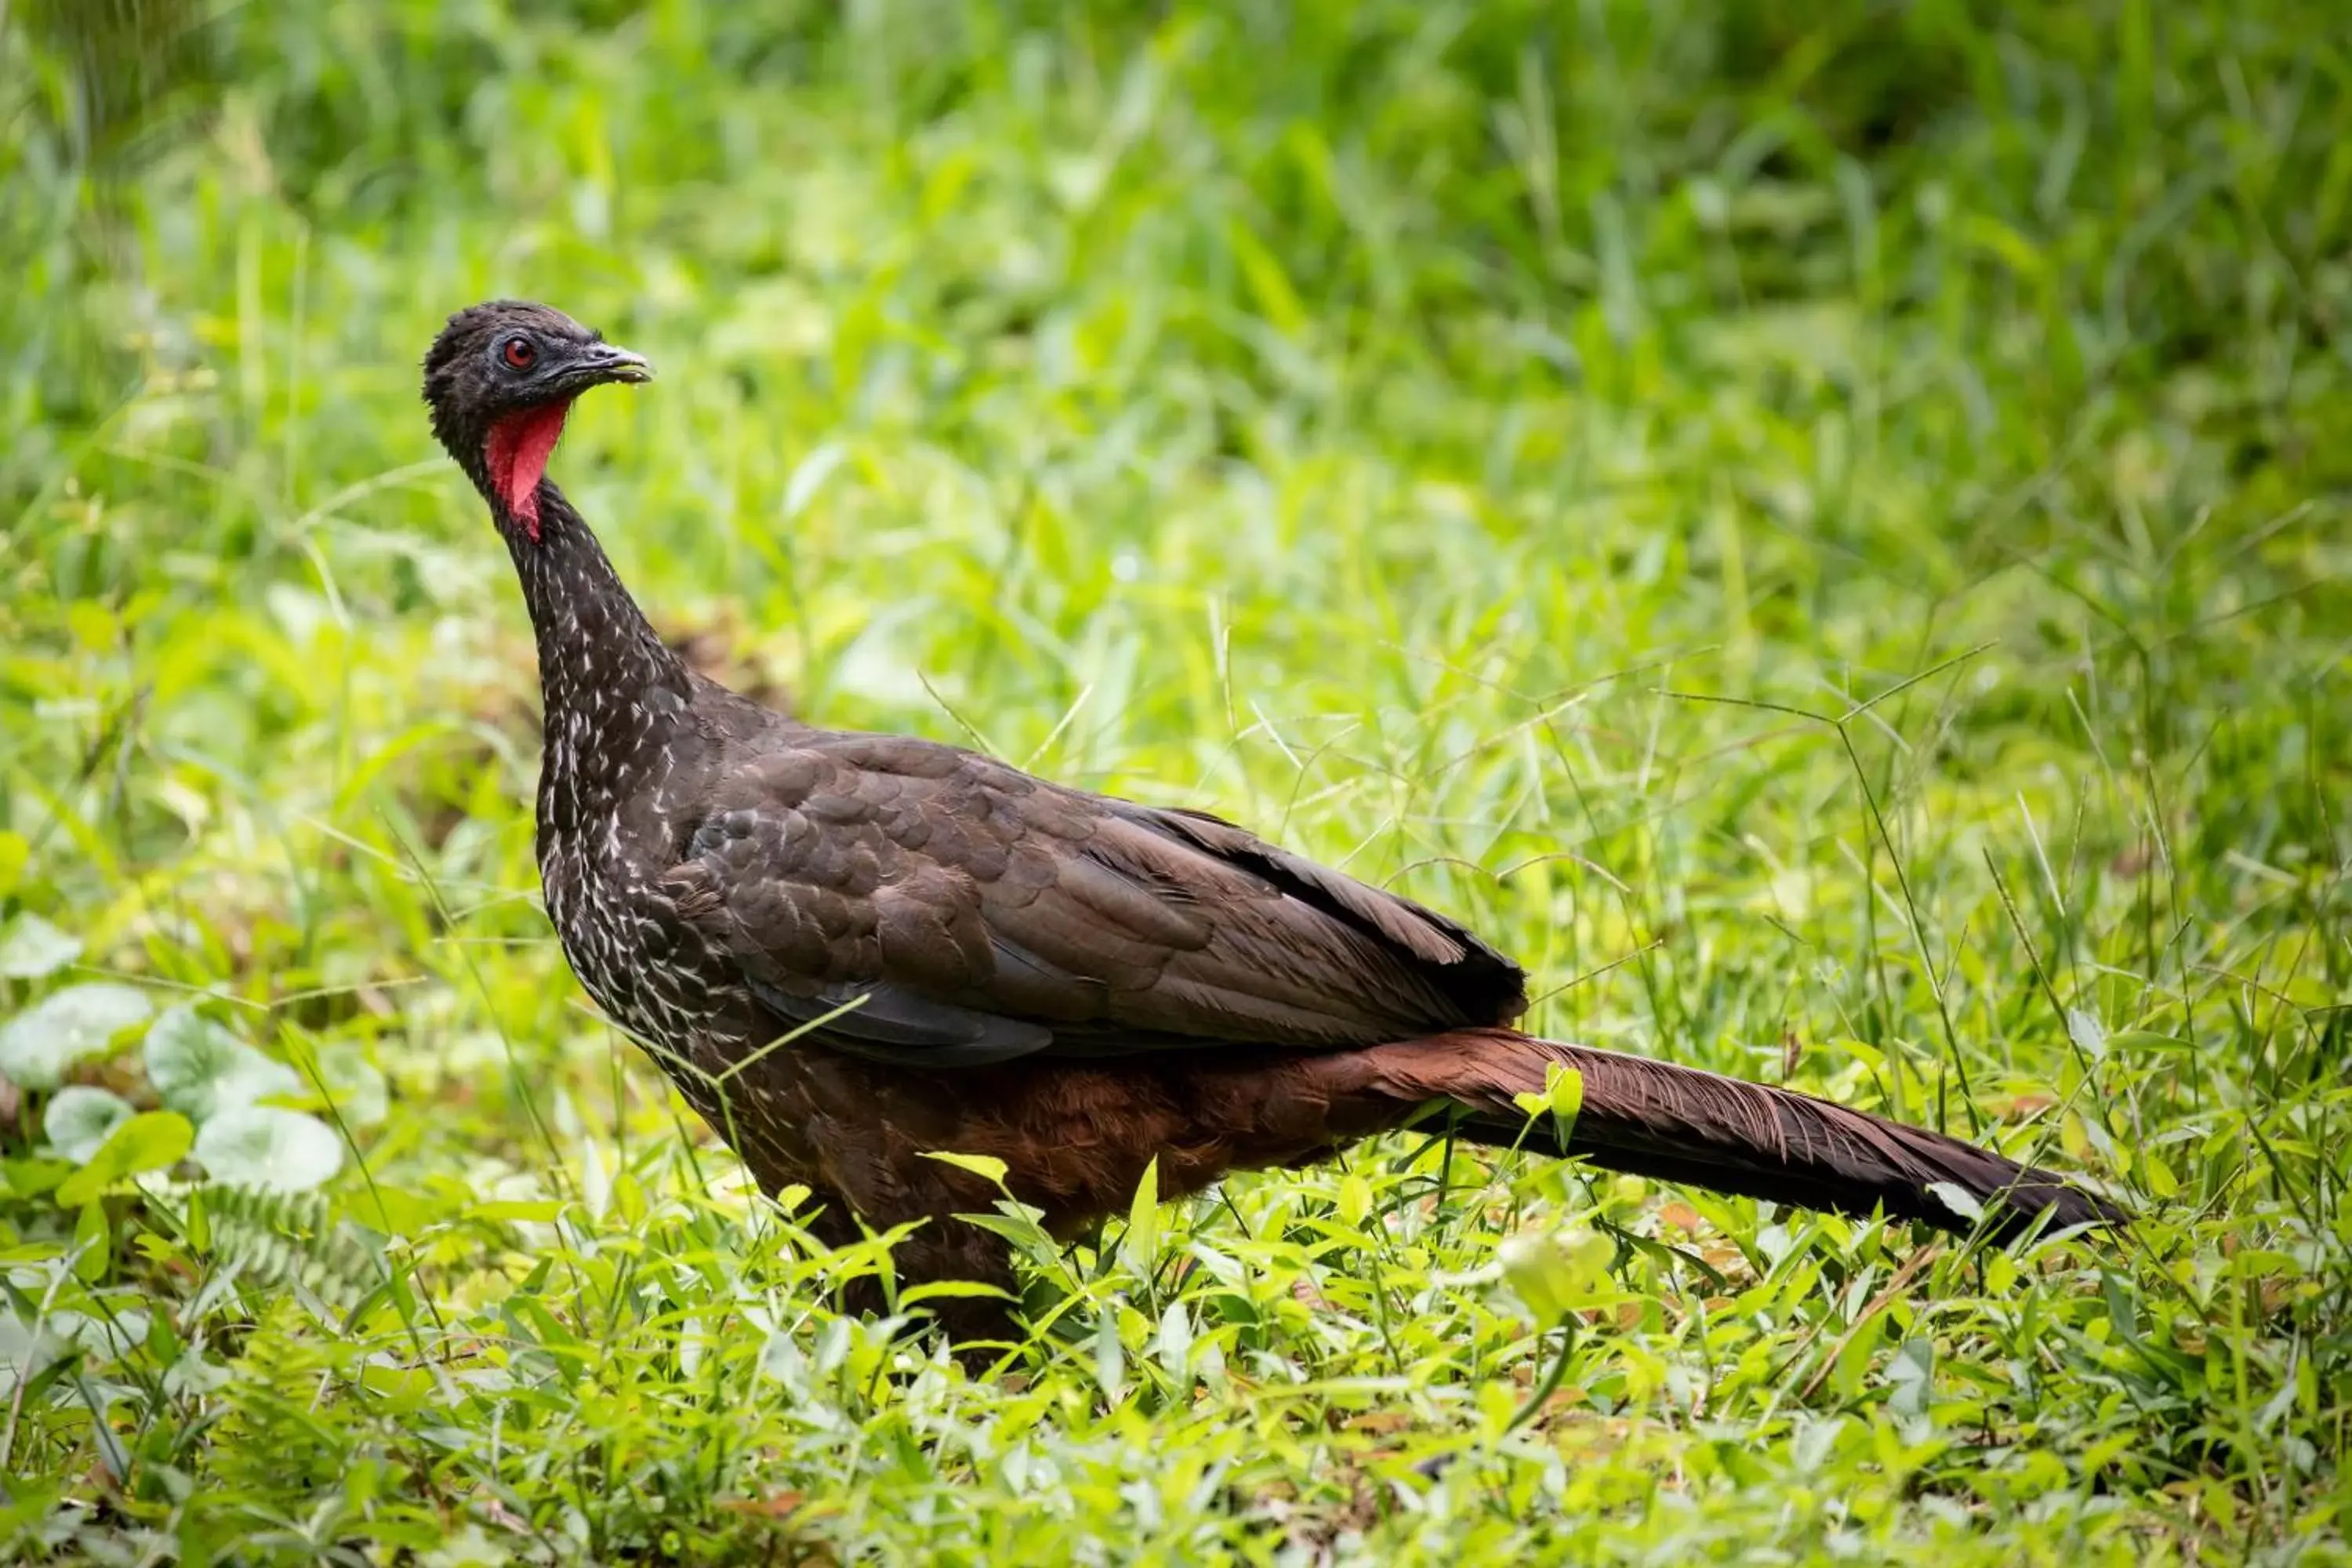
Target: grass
1821	528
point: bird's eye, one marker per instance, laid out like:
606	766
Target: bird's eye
518	352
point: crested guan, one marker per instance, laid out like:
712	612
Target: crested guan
982	961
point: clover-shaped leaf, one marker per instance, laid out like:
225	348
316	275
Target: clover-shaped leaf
80	1118
265	1146
38	1044
31	947
202	1071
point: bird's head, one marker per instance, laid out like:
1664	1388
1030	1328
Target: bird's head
500	380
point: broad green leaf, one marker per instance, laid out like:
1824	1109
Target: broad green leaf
782	1360
80	1118
152	1140
38	1045
31	947
1355	1200
2000	1273
201	1070
1911	1377
13	853
267	1146
1019	1225
394	1210
31	1176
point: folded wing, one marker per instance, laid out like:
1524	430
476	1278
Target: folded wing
922	905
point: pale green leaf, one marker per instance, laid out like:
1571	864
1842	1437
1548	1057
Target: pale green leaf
1553	1272
31	947
270	1147
938	1290
1110	1356
200	1069
1269	285
2085	1030
987	1167
808	476
93	1243
39	1044
1564	1095
1959	1200
1176	1341
595	1180
1142	1242
78	1119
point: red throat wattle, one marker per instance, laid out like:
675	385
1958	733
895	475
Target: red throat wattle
520	445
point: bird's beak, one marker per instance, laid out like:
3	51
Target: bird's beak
608	362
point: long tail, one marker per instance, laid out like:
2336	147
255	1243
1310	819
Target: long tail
1681	1124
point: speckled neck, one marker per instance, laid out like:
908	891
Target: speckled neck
613	690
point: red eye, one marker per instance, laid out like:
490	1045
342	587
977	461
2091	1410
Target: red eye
519	354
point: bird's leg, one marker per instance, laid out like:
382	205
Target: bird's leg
981	1327
942	1249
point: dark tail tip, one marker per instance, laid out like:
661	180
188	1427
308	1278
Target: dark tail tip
1656	1118
2034	1203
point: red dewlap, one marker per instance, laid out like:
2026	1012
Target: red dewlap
519	447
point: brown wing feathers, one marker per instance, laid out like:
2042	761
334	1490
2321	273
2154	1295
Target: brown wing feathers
979	917
882	863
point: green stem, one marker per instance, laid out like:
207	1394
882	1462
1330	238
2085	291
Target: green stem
1551	1379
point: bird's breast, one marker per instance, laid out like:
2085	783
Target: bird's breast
650	972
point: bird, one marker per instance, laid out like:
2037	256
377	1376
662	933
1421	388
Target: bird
854	951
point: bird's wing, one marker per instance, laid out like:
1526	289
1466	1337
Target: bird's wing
923	905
